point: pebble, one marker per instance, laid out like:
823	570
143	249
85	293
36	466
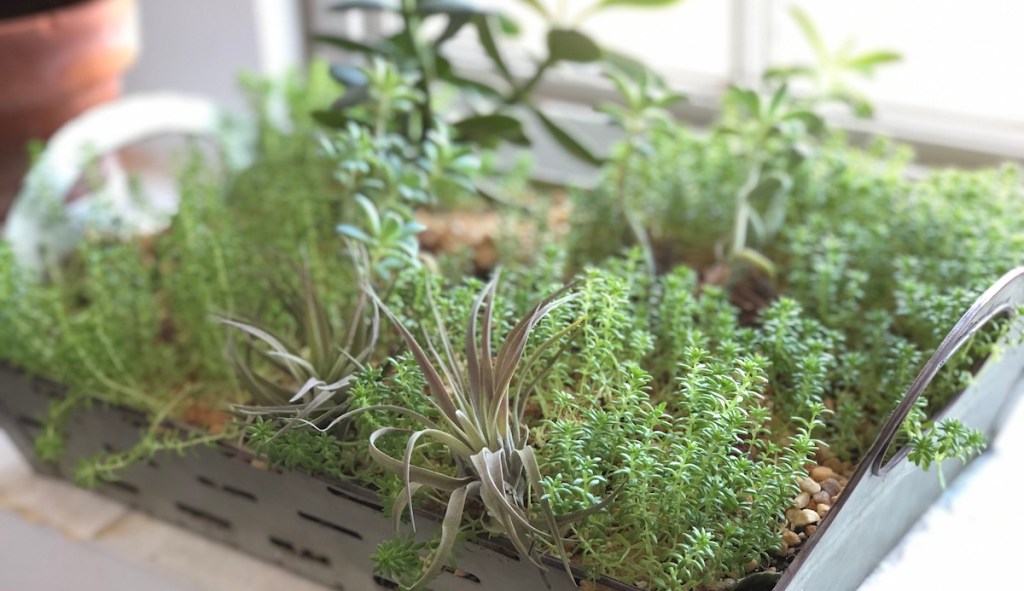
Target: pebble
790	537
823	509
822	496
802	500
811	529
831	486
809	486
750	566
802	517
819	473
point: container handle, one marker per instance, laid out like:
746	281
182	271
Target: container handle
40	222
1005	295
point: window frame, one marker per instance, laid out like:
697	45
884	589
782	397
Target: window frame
938	138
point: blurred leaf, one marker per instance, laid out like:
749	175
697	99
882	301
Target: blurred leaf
455	24
812	122
508	26
810	32
333	118
389	5
451	7
566	140
352	97
572	46
350	76
488	129
469	84
785	73
539	8
747	100
758	260
765	189
486	35
348	45
635	69
638	3
867	62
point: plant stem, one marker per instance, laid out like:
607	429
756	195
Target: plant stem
742	218
411	25
521	92
635	225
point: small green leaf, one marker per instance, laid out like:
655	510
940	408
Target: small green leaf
571	45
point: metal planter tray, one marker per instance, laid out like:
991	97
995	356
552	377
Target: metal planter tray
327	530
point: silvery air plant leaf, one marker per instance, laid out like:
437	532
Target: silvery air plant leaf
315	372
481	424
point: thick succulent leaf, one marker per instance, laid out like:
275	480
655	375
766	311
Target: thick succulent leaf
275	344
477	364
293	359
434	382
450	527
511	352
309	385
489	466
536	481
262	389
403	500
424	476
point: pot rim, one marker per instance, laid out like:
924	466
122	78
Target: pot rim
65	15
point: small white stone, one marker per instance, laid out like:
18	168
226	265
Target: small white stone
809	486
802	500
819	473
802	517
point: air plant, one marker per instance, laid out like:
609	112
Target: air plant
316	370
481	422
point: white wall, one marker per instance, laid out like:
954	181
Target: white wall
200	46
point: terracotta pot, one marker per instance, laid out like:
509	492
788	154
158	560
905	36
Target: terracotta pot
54	65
